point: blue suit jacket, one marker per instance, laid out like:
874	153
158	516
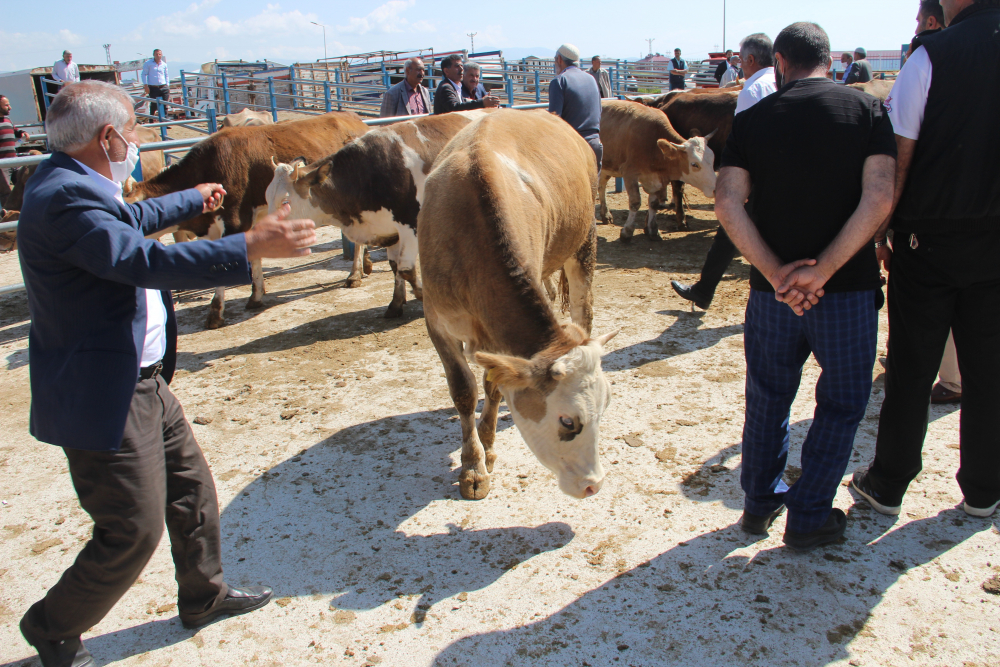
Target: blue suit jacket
86	263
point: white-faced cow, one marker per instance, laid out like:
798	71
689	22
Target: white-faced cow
242	160
642	147
372	189
248	118
510	203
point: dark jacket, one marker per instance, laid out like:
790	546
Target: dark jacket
477	94
720	70
86	265
954	179
860	73
446	99
918	40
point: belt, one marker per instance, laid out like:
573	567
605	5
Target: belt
150	372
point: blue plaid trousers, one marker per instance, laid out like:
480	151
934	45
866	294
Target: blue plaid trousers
842	331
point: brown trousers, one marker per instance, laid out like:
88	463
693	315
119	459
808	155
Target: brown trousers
158	474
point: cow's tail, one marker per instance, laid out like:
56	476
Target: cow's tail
563	291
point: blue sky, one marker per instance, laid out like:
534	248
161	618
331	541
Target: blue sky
207	29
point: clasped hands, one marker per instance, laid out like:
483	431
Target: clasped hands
799	284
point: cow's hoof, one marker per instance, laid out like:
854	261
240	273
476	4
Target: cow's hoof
653	236
214	321
473	485
354	282
606	220
491	459
393	312
418	294
366	265
255	305
626	236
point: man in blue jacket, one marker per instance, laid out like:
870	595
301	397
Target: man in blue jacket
102	349
574	97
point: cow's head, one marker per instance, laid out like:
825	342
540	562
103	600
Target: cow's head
698	161
557	398
290	184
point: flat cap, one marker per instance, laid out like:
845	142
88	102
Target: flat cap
569	52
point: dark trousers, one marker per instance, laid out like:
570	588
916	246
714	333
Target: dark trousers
841	331
158	93
947	283
720	256
158	474
598	148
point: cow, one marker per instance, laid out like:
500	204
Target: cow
642	147
242	160
694	114
508	204
8	240
247	118
152	161
877	88
21	175
372	189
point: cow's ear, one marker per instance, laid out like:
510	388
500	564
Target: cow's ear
668	148
506	371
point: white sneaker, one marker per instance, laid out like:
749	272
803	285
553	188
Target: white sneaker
980	511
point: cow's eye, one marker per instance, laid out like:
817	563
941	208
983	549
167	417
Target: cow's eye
695	165
566	423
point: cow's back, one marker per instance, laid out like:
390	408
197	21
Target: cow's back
700	114
629	132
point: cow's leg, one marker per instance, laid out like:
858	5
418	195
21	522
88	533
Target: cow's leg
602	190
408	258
634	202
474	480
488	421
678	188
395	308
579	274
216	310
354	279
257	269
366	261
551	285
656	202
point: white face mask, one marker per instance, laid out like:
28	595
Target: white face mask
120	171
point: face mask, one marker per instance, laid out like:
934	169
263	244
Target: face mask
120	171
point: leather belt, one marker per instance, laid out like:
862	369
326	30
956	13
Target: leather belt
150	372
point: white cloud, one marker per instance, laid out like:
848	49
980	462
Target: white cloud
385	19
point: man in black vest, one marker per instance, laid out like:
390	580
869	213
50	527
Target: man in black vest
677	69
945	273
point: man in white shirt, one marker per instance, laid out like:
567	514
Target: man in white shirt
757	54
758	68
156	78
65	71
731	75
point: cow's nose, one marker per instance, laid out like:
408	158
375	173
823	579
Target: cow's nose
590	490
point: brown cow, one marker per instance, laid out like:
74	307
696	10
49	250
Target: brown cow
152	161
508	204
877	88
242	160
248	118
372	189
15	199
695	114
641	147
8	240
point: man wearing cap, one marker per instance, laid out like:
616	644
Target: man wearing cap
862	71
574	97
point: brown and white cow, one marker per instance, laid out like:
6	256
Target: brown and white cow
242	160
510	203
372	189
641	147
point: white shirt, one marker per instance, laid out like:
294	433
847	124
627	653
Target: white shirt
732	74
155	343
155	75
908	99
67	73
756	88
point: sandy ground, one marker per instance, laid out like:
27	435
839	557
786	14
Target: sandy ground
335	448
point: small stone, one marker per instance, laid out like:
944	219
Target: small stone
164	608
633	440
762	598
666	454
623	647
283	602
202	420
340	384
342	616
463	597
288	414
992	585
45	544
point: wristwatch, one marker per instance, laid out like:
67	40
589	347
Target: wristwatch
880	244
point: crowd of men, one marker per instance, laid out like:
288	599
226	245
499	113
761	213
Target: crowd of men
918	196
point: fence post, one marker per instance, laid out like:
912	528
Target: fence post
385	76
619	184
159	115
326	95
510	92
225	93
274	104
291	86
336	79
184	96
213	126
538	88
45	95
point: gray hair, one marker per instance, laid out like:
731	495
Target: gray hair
80	110
760	47
472	65
69	52
412	62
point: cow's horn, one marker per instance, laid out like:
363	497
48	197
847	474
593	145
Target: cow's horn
275	164
711	134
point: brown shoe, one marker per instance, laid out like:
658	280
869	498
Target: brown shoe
941	395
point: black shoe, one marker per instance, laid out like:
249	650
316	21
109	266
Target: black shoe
941	395
831	531
757	524
691	293
65	653
237	601
882	504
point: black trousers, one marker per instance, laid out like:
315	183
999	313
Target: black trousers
159	474
720	256
946	282
158	93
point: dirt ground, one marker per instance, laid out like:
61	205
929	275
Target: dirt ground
335	449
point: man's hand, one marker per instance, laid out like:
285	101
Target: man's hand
274	236
491	102
145	91
212	193
802	287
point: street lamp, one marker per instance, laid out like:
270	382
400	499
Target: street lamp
324	37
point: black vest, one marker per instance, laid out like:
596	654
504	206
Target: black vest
954	179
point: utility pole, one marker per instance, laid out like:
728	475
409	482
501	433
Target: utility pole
723	25
472	41
107	52
324	37
651	40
